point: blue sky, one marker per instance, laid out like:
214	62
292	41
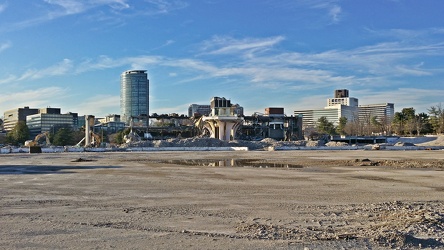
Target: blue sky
269	53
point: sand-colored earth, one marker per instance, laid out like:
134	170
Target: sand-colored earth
223	200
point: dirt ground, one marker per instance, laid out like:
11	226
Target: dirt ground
223	200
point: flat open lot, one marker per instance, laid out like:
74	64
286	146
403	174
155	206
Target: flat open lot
223	200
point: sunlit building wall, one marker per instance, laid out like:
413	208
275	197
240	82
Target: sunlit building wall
43	122
13	116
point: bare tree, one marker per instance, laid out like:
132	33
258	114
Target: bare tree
437	118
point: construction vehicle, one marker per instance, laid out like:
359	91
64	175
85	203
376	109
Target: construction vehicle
95	140
39	140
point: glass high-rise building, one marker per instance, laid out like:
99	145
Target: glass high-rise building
134	95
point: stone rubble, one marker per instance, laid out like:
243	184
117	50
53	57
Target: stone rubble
400	225
213	142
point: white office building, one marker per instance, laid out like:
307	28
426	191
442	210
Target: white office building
384	112
344	106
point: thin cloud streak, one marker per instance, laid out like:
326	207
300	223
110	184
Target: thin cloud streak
228	45
32	98
118	8
58	69
164	6
5	46
3	7
97	104
61	68
334	11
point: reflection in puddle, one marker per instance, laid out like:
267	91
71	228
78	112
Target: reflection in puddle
231	163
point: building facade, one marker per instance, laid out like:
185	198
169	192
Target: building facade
13	116
332	113
347	101
342	98
134	95
44	122
344	106
384	112
199	110
111	124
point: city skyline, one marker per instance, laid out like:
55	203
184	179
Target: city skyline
290	54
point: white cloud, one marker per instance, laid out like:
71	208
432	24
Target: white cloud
105	62
405	70
3	7
70	6
58	69
40	97
164	6
60	8
376	64
406	35
8	79
97	105
61	68
334	11
5	46
229	45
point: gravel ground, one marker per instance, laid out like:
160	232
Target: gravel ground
223	200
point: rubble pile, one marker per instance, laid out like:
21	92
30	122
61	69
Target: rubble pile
336	144
390	224
251	145
212	142
193	142
315	143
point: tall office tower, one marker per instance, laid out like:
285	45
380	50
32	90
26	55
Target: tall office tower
134	96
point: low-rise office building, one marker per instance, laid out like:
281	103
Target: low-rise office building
198	110
13	116
48	122
111	124
344	106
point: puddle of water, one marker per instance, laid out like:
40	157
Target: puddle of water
231	163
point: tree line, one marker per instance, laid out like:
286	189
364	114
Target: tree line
404	123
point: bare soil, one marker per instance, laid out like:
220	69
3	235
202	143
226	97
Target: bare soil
223	200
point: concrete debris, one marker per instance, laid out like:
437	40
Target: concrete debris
404	144
400	225
131	137
213	142
265	144
336	144
315	143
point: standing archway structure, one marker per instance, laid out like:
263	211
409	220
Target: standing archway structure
223	122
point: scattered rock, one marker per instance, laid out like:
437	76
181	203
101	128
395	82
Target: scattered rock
81	160
404	144
336	144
